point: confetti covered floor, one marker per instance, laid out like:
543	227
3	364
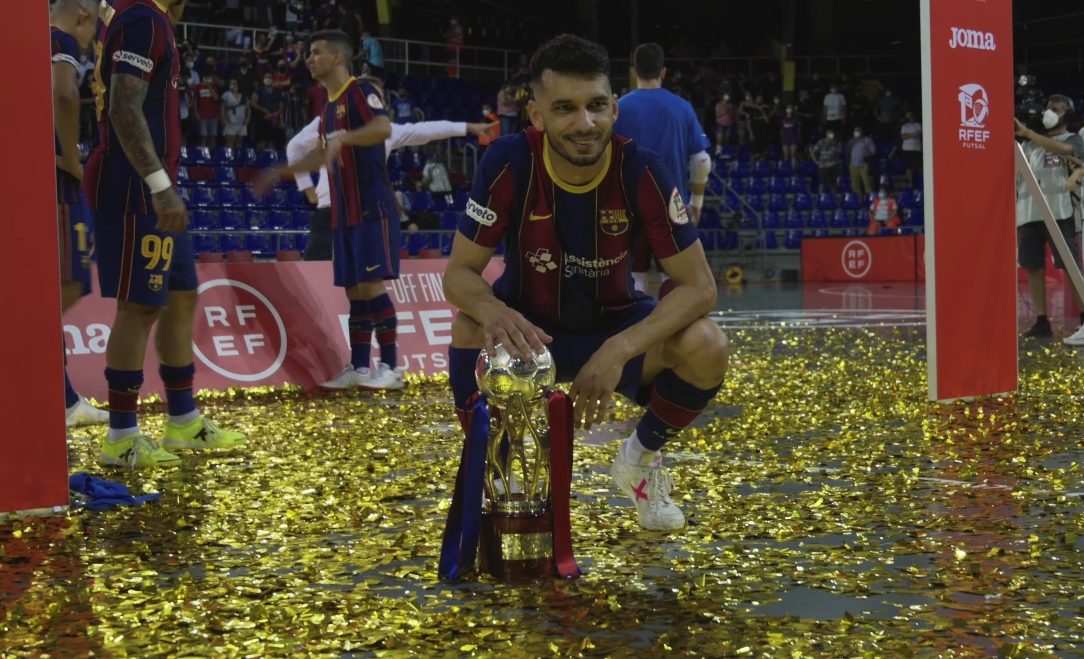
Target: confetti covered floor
833	512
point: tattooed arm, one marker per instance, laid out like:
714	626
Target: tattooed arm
126	96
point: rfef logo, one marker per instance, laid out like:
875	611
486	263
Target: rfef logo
974	110
973	39
856	259
238	332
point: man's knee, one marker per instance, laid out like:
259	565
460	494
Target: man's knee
466	332
701	351
135	312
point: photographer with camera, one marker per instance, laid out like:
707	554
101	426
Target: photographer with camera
1046	152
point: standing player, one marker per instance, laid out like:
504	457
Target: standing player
72	24
665	123
364	215
570	199
144	250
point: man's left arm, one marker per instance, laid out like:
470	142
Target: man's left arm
1047	144
697	144
424	132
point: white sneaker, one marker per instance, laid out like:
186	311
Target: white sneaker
384	377
85	414
648	485
348	378
1076	338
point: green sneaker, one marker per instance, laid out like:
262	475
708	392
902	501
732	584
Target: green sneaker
135	451
200	433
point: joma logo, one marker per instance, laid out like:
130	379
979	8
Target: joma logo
974	39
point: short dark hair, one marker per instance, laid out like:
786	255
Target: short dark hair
570	55
337	38
648	60
1065	102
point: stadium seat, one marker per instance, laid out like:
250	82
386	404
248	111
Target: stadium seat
826	201
757	186
229	197
246	157
797	184
286	241
740	184
721	167
807	168
771	220
255	220
777	185
707	239
279	220
841	219
803	201
200	155
301	219
709	219
914	216
266	158
907	198
850	201
459	201
233	242
203	220
745	152
793	240
449	220
250	200
794	220
742	169
817	219
769	240
182	175
229	220
279	198
843	184
784	168
415	243
225	176
259	244
756	202
885	181
296	199
421	201
763	168
727	152
204	243
204	197
778	202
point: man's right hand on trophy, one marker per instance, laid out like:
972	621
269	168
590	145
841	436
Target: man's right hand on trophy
519	336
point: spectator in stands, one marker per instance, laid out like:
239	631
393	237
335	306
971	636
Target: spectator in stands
245	77
435	177
267	108
724	122
261	53
746	110
760	126
860	151
291	52
508	107
372	53
293	110
282	79
207	109
826	154
315	99
887	112
883	213
235	115
835	110
403	107
790	134
295	13
911	146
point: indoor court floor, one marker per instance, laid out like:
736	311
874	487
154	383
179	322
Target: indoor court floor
833	511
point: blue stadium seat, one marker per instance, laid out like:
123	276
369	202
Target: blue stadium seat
233	242
459	201
745	152
415	243
740	184
301	242
771	220
266	158
297	199
886	182
286	241
769	240
803	201
914	216
204	219
841	219
182	175
259	245
256	219
250	200
229	197
278	198
807	168
280	220
225	176
784	168
230	220
797	184
714	186
221	155
709	219
794	220
410	161
907	198
826	201
246	157
707	239
727	152
777	185
204	197
203	243
449	220
301	219
843	184
756	186
421	201
755	201
763	168
778	202
742	169
793	240
721	167
200	155
850	201
817	219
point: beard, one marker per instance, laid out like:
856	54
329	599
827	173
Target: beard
565	147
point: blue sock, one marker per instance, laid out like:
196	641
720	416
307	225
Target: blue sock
361	333
178	384
674	405
123	397
461	362
70	397
382	311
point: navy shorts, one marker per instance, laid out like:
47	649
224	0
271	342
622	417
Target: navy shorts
572	348
1031	240
75	225
138	263
365	252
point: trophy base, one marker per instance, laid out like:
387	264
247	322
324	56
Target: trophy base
517	547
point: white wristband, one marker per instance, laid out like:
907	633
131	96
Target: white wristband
696	201
158	181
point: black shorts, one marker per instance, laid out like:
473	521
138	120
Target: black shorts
1031	237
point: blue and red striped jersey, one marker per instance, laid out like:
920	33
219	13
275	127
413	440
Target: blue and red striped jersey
568	247
359	186
136	39
65	51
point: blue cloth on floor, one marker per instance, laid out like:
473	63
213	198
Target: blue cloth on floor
100	494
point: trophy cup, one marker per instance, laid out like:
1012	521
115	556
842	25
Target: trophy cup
512	490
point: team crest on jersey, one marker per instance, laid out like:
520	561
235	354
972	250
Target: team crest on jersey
676	209
340	111
155	282
614	222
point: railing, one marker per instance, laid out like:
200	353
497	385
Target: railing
405	56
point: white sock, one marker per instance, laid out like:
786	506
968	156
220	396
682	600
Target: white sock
184	418
121	433
639	281
663	277
78	400
633	452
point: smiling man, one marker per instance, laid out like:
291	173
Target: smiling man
569	199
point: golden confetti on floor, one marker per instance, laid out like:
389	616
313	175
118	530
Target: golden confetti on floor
832	512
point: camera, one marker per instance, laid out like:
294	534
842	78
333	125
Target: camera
1031	103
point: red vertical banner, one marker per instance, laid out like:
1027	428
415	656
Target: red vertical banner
967	104
33	455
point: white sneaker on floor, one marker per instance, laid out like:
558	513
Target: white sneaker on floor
348	378
384	378
1076	338
648	485
84	414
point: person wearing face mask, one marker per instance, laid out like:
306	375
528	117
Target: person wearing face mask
834	110
1046	153
826	154
790	134
859	152
883	213
267	108
235	115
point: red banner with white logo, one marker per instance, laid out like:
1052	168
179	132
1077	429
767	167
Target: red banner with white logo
869	258
967	79
33	453
275	323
